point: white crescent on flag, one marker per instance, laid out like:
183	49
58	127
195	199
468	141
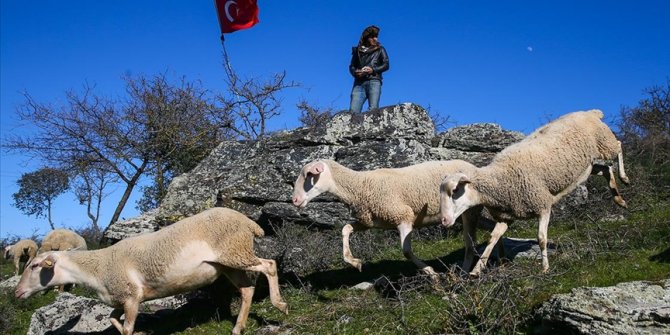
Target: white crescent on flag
226	9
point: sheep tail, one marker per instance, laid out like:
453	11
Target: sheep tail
257	230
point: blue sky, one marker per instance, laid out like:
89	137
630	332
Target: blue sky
516	63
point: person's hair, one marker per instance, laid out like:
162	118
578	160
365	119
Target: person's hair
371	31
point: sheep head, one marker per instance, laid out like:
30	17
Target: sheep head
38	275
8	253
455	197
314	178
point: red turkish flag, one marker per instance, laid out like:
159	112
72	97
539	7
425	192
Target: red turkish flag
236	14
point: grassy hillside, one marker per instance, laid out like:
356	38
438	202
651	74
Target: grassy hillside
589	253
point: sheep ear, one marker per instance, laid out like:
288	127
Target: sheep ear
48	262
317	168
464	179
451	183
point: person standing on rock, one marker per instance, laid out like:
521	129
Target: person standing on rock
368	60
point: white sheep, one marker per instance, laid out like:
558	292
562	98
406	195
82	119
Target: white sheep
22	251
527	178
184	256
401	198
61	240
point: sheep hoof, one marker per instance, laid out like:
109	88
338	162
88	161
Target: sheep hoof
357	264
625	180
619	201
429	271
282	306
474	274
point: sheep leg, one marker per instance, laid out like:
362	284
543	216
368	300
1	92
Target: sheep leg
346	251
269	268
606	171
131	309
622	172
487	224
240	279
497	232
542	238
405	230
17	261
469	239
115	319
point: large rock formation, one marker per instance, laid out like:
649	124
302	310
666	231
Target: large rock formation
627	308
256	178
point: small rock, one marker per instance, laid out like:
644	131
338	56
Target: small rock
364	286
344	319
10	283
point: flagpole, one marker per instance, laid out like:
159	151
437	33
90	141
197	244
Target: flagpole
229	70
226	60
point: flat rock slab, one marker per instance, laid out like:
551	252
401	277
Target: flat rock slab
639	307
71	314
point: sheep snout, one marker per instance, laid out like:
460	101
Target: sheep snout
447	221
299	201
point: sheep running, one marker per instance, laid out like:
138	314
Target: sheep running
184	256
527	178
401	198
22	251
61	240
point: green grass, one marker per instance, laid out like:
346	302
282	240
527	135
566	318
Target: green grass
589	254
16	313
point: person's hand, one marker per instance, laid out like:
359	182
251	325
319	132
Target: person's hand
367	69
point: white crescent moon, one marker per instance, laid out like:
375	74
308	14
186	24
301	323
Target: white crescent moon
226	9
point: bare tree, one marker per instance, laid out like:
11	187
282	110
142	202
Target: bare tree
251	103
441	122
126	140
313	117
181	130
645	128
89	187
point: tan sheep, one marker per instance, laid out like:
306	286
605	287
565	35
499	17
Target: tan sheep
527	178
401	198
61	240
184	256
22	251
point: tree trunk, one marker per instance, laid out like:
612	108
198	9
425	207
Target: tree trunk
130	185
49	214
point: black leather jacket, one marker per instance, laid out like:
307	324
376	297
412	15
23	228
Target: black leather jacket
377	59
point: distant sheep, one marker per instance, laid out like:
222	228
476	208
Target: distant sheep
184	256
527	178
402	198
62	240
22	251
